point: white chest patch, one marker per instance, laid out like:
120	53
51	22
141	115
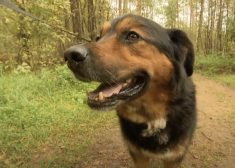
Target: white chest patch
132	115
170	154
167	155
154	127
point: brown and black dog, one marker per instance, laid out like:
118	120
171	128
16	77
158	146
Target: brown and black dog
144	71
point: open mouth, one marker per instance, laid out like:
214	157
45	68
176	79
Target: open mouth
107	96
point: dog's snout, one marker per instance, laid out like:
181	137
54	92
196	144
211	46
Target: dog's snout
76	54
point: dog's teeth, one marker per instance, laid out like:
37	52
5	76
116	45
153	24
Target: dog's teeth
96	99
128	80
134	80
124	84
101	97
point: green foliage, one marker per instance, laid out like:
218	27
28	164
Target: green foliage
24	68
43	119
215	64
26	41
1	68
220	68
228	79
34	43
170	11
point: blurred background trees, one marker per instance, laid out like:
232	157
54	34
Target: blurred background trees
28	43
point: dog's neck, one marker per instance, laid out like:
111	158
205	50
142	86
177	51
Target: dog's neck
148	107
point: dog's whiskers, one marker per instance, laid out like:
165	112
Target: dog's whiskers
96	76
108	83
113	78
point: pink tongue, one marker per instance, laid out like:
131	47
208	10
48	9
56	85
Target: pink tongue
107	92
112	90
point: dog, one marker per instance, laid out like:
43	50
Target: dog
145	74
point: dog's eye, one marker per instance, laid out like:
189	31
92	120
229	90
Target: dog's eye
132	36
97	38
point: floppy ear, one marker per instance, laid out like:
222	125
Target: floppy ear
182	41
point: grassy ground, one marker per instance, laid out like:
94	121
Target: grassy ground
44	120
218	67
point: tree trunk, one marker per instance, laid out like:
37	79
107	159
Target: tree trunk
76	19
139	7
191	22
125	6
200	27
120	7
219	27
207	45
211	29
24	54
227	25
178	18
91	20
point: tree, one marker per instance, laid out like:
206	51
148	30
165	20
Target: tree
120	7
125	6
171	13
76	18
219	27
200	26
138	7
210	25
91	20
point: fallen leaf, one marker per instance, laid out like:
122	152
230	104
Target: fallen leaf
82	125
19	1
7	162
96	163
62	147
36	156
196	156
19	163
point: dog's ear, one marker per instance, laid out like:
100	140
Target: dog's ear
182	41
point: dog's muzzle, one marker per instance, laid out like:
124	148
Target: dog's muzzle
75	54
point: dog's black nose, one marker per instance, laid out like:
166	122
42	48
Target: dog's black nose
76	54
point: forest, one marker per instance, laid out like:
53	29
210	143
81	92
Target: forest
44	118
28	44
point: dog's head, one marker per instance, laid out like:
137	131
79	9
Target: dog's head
132	58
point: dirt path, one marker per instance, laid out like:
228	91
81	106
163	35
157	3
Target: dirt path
213	144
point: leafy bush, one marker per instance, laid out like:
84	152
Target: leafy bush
23	68
215	64
45	110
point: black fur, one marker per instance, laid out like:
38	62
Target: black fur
182	115
174	43
181	122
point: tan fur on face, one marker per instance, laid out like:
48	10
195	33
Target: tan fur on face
127	59
105	28
131	25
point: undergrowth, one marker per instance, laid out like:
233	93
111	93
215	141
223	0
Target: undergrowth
220	68
44	119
